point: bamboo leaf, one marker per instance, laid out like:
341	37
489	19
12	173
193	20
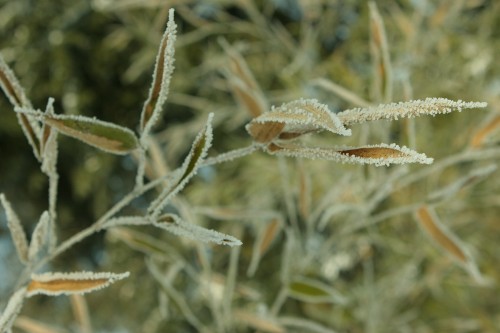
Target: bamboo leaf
485	131
54	284
178	227
244	87
313	291
97	133
164	67
378	155
29	325
188	170
410	109
293	119
15	93
429	221
39	236
16	230
12	309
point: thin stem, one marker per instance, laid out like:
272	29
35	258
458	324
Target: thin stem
231	155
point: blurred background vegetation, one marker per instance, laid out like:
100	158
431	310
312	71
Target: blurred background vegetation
96	57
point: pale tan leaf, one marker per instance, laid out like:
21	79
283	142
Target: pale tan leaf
188	170
382	68
415	108
264	240
164	67
12	309
485	131
16	230
294	119
179	227
54	284
266	131
437	231
30	325
81	313
257	322
375	154
39	236
243	85
342	92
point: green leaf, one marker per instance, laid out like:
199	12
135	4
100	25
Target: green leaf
309	290
103	135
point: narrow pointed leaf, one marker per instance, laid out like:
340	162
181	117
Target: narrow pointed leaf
39	237
437	231
177	226
30	325
242	83
410	109
313	291
253	320
15	93
295	118
164	67
485	131
12	309
140	242
100	134
188	170
54	284
16	230
376	154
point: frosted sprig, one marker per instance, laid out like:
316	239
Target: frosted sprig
410	109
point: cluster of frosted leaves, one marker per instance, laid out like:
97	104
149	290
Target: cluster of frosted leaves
273	130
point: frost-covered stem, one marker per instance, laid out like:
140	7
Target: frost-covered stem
141	167
230	285
231	155
53	183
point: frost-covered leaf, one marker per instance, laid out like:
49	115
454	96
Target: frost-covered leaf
293	119
100	134
415	108
12	309
164	67
54	284
189	168
177	226
16	230
313	291
376	154
15	93
39	236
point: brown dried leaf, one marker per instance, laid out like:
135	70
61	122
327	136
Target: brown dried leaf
485	131
54	284
433	227
265	132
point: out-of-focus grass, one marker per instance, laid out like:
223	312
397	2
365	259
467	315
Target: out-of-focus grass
96	60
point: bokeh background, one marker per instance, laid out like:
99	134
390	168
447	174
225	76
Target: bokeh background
96	58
